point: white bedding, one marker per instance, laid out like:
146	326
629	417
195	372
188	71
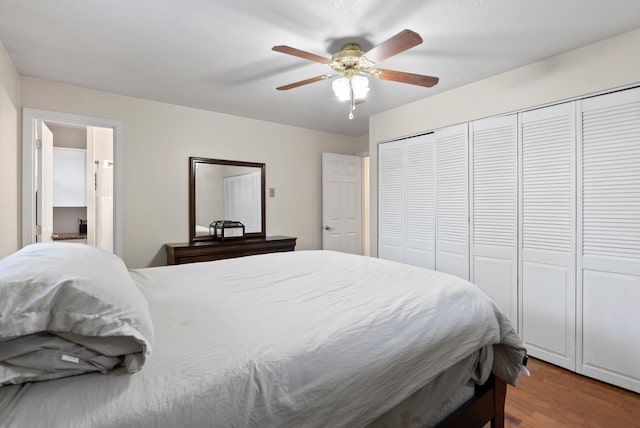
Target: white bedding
68	309
298	339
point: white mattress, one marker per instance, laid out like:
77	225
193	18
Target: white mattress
299	339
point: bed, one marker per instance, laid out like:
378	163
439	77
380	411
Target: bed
298	339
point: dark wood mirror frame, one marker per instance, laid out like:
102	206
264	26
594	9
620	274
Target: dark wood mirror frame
193	162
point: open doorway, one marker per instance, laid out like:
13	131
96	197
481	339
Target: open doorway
72	186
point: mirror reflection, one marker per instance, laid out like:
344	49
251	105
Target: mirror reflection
226	190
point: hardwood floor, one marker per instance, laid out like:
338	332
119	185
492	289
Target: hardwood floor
554	397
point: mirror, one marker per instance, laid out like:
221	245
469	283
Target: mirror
225	190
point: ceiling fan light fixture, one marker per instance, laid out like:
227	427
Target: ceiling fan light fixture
343	86
354	66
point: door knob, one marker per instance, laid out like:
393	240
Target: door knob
327	228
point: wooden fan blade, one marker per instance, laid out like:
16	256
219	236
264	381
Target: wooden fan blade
402	77
305	82
405	39
301	54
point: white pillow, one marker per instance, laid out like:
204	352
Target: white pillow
67	309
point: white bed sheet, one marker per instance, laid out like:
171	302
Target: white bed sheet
299	339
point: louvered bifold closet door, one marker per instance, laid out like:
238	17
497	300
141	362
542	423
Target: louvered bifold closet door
494	187
609	257
391	200
548	143
421	197
452	200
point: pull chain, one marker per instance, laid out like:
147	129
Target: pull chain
352	103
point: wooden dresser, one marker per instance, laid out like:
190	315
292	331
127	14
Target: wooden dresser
216	250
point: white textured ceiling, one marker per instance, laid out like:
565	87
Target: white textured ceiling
216	55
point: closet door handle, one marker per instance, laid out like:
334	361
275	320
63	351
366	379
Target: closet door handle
327	228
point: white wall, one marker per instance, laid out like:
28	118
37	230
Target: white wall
158	140
65	219
66	136
608	64
362	144
9	155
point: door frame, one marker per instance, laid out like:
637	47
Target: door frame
29	117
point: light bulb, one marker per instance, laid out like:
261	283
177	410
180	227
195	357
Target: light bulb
342	87
360	86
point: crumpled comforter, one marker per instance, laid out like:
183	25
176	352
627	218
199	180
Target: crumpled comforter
68	309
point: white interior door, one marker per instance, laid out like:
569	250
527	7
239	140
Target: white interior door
548	229
100	187
44	182
609	242
452	200
494	187
342	203
391	200
420	239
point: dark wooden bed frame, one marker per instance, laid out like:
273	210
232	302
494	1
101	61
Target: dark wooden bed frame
487	405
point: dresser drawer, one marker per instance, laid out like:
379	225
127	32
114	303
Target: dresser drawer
215	250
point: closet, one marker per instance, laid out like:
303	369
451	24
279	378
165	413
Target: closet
406	206
452	200
609	238
541	210
547	240
418	201
494	188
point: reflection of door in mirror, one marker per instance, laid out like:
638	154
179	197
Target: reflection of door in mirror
242	200
227	190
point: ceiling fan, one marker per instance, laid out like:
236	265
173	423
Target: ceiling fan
354	66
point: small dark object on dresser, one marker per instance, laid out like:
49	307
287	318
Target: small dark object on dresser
226	229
